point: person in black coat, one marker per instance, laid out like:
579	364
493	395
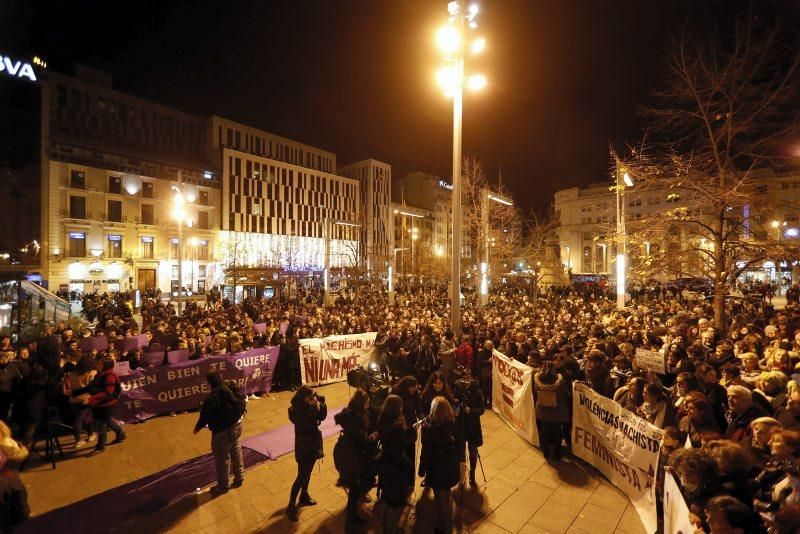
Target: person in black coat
471	407
442	448
306	412
396	467
356	445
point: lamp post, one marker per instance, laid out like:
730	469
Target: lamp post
451	41
179	214
777	225
623	180
487	196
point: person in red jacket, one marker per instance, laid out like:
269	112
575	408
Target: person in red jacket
105	389
464	353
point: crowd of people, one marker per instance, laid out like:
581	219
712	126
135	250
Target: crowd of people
729	393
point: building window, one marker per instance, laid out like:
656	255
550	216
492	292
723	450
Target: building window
77	179
77	207
115	185
202	220
147	214
147	189
202	249
173	248
114	211
203	200
114	246
147	247
77	245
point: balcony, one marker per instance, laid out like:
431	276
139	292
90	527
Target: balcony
149	222
66	214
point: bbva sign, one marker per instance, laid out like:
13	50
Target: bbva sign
17	69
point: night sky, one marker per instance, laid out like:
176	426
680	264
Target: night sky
355	77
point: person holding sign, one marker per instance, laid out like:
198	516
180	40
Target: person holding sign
553	398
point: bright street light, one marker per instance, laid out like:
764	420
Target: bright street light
486	196
179	214
627	179
450	40
478	45
476	82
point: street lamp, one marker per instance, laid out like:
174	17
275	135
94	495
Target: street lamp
451	40
328	223
487	196
179	202
623	180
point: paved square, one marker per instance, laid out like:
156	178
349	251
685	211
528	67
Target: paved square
522	493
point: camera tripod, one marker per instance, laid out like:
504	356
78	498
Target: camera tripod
51	442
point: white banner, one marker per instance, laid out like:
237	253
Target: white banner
327	360
650	360
620	444
512	396
676	513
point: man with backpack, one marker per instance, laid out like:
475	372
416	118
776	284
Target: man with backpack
222	412
105	390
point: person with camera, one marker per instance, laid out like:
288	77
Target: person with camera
307	411
354	453
442	449
222	412
395	467
469	399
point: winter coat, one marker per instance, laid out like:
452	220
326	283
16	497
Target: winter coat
442	450
102	389
14	507
307	436
395	468
356	446
552	400
471	422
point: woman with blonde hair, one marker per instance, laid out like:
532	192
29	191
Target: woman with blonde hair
14	507
442	451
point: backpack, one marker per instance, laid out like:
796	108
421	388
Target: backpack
346	459
236	399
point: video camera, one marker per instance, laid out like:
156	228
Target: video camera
462	392
371	381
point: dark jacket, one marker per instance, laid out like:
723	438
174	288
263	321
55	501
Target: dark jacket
307	436
552	398
739	428
218	412
356	446
14	507
442	447
395	468
102	389
471	397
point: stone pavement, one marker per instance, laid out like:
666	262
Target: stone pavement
523	493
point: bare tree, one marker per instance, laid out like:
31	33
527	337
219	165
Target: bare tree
233	258
505	226
725	104
538	249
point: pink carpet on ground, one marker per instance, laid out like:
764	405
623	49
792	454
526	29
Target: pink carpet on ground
280	441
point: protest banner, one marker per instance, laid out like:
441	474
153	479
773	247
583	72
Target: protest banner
177	356
182	386
122	368
512	396
651	360
88	344
127	344
260	328
676	513
620	444
150	359
327	360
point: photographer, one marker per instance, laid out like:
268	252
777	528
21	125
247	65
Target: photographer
354	452
222	412
470	403
306	412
